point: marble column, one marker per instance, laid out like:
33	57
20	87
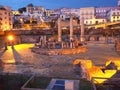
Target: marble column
59	30
82	29
71	32
44	39
71	28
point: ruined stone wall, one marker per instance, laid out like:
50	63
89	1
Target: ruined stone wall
2	41
30	38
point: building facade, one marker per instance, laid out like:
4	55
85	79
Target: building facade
35	9
95	21
87	13
113	15
49	12
101	12
118	3
5	18
35	13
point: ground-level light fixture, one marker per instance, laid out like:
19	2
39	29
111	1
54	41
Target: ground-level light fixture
11	38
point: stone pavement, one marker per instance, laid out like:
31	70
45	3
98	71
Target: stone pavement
22	60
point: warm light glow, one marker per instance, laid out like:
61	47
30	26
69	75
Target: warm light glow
10	38
87	63
11	61
97	72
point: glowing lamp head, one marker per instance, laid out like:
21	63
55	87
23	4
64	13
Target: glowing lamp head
10	37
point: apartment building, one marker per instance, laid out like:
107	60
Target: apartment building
87	13
113	15
5	18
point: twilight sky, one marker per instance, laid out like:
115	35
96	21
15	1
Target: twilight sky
52	4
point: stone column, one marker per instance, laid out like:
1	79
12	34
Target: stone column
71	28
71	32
59	30
82	29
44	38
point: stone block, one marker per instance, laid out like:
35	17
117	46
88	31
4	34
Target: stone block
87	63
69	85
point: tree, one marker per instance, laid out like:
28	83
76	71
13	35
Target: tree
30	5
21	10
16	24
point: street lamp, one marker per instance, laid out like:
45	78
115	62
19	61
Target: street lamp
11	38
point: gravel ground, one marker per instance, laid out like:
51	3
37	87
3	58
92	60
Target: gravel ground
22	60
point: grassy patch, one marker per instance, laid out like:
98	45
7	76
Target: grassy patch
85	85
16	81
39	82
12	82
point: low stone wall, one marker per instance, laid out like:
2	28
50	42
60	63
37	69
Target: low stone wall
2	42
30	38
78	50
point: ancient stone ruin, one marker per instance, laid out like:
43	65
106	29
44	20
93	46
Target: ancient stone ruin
88	70
61	45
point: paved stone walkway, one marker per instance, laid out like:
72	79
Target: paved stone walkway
22	60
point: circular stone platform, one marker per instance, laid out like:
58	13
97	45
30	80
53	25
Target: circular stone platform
80	49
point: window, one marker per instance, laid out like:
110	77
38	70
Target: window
117	13
5	12
103	20
90	22
113	13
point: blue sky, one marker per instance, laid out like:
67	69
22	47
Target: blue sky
52	4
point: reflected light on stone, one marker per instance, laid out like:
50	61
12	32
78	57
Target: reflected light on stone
12	61
108	74
97	72
87	63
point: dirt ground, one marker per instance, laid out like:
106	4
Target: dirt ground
22	60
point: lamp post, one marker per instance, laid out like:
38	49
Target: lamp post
6	46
